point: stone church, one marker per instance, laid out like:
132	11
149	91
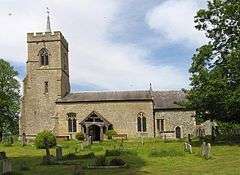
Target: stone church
48	104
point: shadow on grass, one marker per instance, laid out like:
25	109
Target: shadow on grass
134	163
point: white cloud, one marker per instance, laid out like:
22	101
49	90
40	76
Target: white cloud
94	58
174	21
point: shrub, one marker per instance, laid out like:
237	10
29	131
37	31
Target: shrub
111	133
113	152
100	161
166	153
80	136
117	162
45	135
8	141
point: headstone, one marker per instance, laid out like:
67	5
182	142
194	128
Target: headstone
24	139
2	155
208	151
82	146
190	148
203	149
7	166
59	153
46	143
90	140
185	146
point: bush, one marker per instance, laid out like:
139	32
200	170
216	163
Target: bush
113	152
111	133
100	161
45	135
117	162
8	141
80	136
166	153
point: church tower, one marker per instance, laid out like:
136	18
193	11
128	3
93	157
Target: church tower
47	79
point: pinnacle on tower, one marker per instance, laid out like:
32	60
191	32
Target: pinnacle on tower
48	28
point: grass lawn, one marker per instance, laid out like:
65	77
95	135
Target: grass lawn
225	159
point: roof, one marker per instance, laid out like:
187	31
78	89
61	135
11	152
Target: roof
162	99
106	96
168	99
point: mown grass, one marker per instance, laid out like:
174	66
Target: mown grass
154	157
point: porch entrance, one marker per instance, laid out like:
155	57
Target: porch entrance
94	132
95	125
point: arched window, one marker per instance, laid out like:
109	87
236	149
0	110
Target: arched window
72	122
43	55
144	124
141	123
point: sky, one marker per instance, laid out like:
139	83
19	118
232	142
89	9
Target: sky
113	44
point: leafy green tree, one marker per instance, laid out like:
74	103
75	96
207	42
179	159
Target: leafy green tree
215	69
9	98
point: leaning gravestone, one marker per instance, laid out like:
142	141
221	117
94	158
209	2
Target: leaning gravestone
59	153
6	166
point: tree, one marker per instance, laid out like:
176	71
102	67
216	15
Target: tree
215	69
9	98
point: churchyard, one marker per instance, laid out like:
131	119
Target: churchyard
155	156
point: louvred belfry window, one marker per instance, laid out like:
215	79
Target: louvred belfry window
44	55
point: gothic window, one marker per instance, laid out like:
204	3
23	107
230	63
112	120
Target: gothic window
144	124
45	87
160	124
43	54
141	123
72	122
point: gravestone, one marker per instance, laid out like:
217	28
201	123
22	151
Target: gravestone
24	139
81	146
208	151
6	166
3	155
90	140
185	146
203	149
190	148
59	153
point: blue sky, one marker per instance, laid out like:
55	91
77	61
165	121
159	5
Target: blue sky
114	45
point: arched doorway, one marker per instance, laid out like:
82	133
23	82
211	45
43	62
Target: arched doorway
178	132
94	132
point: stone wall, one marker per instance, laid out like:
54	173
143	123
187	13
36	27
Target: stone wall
122	115
174	118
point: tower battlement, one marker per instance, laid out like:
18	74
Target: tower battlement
46	36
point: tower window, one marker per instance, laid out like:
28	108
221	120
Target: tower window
43	54
45	87
72	122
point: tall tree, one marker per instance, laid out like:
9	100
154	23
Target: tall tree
215	69
9	98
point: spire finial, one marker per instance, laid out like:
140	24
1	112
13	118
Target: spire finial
48	28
